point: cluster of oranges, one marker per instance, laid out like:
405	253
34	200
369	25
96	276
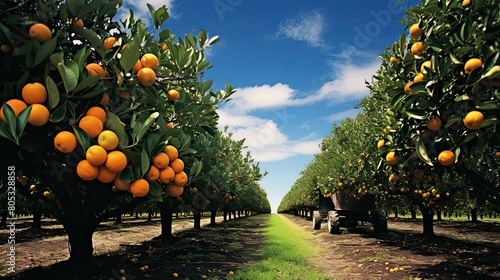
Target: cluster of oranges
34	94
168	168
145	68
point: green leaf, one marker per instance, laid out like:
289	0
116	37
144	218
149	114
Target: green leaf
45	51
92	38
139	133
74	68
113	124
202	38
82	137
22	120
130	55
59	114
490	63
489	122
87	83
145	162
452	121
155	190
195	169
5	133
422	152
489	105
10	118
416	114
68	76
52	92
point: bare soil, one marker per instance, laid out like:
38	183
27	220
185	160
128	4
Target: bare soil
460	250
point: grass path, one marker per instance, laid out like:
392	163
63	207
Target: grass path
286	254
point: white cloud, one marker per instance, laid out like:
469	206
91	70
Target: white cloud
306	27
340	116
141	9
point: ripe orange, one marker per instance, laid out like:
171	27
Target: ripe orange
39	115
173	95
415	31
34	93
137	66
497	154
380	143
149	60
465	3
116	161
104	175
177	165
105	99
164	47
472	64
109	42
434	123
65	142
172	152
153	174
92	125
418	78
427	64
78	23
86	171
120	184
16	105
180	178
146	77
169	125
108	140
97	112
139	188
473	120
174	191
392	158
407	87
95	69
96	155
167	175
46	194
161	160
446	157
417	48
393	59
40	32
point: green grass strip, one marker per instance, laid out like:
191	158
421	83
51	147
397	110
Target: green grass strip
285	254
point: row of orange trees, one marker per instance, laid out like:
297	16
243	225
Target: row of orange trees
100	115
427	136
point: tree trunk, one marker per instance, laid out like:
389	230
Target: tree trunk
166	214
80	225
37	219
213	214
3	220
197	220
150	215
225	215
395	212
118	219
473	214
428	220
438	215
137	215
413	213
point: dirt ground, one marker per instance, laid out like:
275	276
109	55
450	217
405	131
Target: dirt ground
460	250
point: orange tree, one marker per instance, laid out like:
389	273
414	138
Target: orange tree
88	107
438	102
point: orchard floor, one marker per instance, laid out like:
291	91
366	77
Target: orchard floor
460	250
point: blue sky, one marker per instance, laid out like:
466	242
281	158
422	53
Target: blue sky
298	66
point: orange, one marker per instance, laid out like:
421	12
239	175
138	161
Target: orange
96	155
164	47
393	59
92	125
139	188
109	42
380	143
78	23
173	95
34	93
415	31
40	32
180	178
161	160
465	3
172	152
5	48
86	171
108	140
418	78
137	66
46	193
169	125
434	123
446	158
392	158
167	175
146	77
16	105
104	175
473	120
153	174
472	64
65	142
105	99
407	87
120	184
95	69
39	115
97	112
116	161
417	48
177	165
174	190
497	154
149	60
427	64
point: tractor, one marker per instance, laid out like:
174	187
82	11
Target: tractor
343	210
